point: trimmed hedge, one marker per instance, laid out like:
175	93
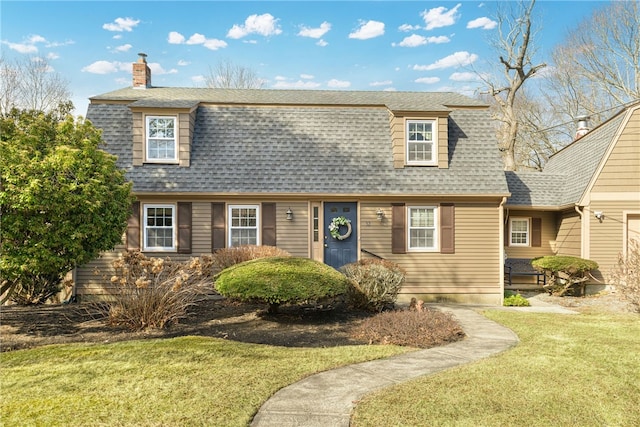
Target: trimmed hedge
568	264
281	280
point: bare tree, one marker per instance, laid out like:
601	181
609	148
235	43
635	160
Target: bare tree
31	84
228	75
515	48
597	67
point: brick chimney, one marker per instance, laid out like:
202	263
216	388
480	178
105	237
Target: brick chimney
583	126
141	73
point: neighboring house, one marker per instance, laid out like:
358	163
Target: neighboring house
586	202
417	174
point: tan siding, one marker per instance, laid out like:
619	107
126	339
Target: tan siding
138	136
621	172
474	268
94	277
397	123
443	143
293	236
201	228
569	234
184	139
606	237
548	235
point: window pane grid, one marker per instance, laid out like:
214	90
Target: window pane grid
519	232
422	228
159	227
161	138
420	141
243	226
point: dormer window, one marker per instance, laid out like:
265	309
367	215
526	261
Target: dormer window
421	146
161	139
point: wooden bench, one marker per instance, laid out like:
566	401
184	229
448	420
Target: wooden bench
522	267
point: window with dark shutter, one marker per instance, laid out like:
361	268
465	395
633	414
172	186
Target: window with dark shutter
447	228
269	224
217	226
184	227
133	227
398	229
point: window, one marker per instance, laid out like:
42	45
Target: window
161	139
159	227
519	232
243	225
422	228
421	142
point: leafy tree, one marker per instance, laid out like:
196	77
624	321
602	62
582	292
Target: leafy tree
62	201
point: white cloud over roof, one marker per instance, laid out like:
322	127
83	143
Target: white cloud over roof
264	25
315	33
457	59
196	39
483	23
368	30
335	83
427	80
439	17
121	24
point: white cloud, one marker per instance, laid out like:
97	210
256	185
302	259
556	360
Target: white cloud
413	40
117	36
106	67
52	56
382	83
195	39
464	77
36	39
198	79
283	84
389	89
315	33
123	48
264	25
368	30
322	43
306	76
21	47
439	17
121	24
334	83
438	39
427	80
405	28
156	69
484	23
183	63
175	38
457	59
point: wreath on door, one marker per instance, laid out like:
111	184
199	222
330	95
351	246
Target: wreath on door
334	227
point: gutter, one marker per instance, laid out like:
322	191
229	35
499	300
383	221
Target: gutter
502	253
583	236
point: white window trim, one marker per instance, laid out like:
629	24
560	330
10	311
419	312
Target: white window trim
175	159
434	149
144	228
229	221
528	221
436	230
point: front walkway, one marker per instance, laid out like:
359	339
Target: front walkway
327	398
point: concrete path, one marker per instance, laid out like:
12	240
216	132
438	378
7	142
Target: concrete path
327	399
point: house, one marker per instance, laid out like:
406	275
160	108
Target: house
417	174
586	201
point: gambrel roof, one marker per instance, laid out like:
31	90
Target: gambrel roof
304	142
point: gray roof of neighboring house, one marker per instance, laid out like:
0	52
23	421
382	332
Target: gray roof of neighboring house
303	149
190	97
567	174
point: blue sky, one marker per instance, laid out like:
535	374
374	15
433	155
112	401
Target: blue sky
344	45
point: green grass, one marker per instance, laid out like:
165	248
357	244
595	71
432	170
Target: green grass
187	381
581	370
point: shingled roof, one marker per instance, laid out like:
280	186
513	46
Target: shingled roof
304	142
568	172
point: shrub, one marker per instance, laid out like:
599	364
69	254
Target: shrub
154	292
422	328
625	275
563	272
375	283
225	258
512	299
281	280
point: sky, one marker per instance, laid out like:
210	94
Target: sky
325	45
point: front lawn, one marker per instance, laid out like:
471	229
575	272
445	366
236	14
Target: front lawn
581	370
184	381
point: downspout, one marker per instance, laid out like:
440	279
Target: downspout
502	231
584	241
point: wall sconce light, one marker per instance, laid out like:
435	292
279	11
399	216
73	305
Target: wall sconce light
599	215
380	214
289	214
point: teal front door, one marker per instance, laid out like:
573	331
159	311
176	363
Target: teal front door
342	249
